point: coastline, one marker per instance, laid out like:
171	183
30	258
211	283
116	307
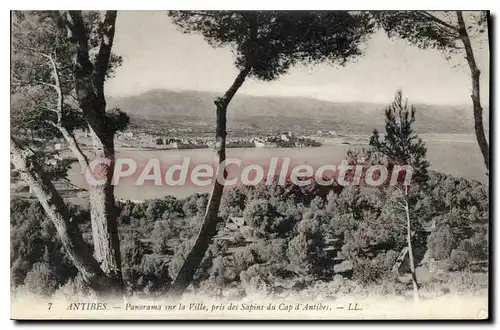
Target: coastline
351	139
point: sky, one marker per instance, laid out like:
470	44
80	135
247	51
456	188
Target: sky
158	56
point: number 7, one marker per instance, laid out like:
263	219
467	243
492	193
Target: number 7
50	306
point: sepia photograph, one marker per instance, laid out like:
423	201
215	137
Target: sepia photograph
250	164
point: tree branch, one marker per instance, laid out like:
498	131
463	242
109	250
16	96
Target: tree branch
32	82
68	136
75	149
57	87
104	55
71	185
49	109
72	145
403	206
438	21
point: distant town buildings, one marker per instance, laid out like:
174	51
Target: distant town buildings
177	139
285	140
329	133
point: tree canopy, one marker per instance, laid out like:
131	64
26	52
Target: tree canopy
270	42
42	89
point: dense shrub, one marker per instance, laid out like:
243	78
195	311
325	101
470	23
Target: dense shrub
74	287
459	259
41	279
291	234
441	243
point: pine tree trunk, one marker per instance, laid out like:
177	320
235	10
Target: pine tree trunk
60	215
103	217
475	96
89	87
211	219
410	248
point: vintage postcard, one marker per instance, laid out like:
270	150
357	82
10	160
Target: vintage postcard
249	165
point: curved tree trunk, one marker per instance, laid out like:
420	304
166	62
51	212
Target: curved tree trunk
60	215
211	219
476	101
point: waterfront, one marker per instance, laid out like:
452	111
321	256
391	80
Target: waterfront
448	154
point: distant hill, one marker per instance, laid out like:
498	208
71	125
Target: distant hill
164	108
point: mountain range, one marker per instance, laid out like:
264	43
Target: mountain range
195	109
